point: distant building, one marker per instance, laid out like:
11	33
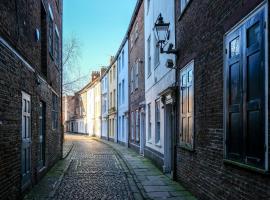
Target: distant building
112	115
30	92
159	87
104	104
94	105
123	97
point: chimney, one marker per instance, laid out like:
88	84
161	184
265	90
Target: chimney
95	75
111	59
103	70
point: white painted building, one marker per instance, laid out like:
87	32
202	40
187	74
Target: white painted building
122	82
94	106
159	81
104	105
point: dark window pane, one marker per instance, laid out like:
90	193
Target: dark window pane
235	47
253	34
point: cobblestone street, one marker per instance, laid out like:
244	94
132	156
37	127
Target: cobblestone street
95	172
97	169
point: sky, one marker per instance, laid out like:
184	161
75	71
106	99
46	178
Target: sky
99	26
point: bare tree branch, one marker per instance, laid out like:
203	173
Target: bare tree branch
72	78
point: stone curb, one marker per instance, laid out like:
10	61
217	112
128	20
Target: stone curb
66	154
59	181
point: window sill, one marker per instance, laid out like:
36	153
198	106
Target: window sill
149	142
245	166
186	147
184	11
158	145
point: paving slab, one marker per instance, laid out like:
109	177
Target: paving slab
153	183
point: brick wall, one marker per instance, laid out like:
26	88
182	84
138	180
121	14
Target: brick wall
136	51
21	71
199	35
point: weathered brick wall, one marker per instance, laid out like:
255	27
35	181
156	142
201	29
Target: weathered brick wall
18	21
199	36
137	52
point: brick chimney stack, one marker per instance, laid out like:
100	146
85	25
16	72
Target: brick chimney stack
95	75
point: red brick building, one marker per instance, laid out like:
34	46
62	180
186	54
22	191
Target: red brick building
136	76
223	148
30	92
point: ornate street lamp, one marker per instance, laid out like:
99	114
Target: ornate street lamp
163	35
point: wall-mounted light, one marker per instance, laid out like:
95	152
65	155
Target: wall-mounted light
163	35
37	35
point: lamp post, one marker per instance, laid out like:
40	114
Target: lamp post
163	35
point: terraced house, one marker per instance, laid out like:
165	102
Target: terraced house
159	86
123	97
112	113
30	85
136	79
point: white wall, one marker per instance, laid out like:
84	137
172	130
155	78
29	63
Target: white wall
90	112
122	105
104	100
161	77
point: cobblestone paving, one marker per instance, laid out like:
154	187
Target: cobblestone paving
95	172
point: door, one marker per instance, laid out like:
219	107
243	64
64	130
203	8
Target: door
169	138
41	147
142	132
26	140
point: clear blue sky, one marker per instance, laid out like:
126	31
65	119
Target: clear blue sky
99	25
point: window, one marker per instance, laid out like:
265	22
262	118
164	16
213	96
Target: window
114	72
136	31
120	90
148	6
123	126
26	137
137	126
149	56
123	58
131	79
114	97
245	68
111	99
51	36
132	126
149	122
156	47
186	106
157	117
57	48
183	4
123	91
54	111
119	64
110	76
131	39
137	75
57	5
44	41
119	125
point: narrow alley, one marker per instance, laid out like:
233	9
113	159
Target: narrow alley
96	169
